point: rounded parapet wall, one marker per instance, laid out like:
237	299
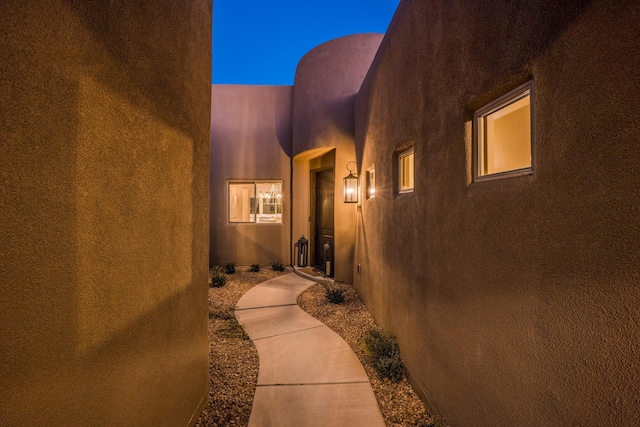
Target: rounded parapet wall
327	80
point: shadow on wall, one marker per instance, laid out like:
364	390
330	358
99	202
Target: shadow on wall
157	81
284	129
331	125
344	122
245	248
76	349
118	372
180	363
59	339
37	262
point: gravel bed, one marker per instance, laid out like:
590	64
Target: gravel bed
351	320
234	362
233	359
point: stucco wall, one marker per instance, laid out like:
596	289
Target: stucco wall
104	207
250	140
515	301
326	83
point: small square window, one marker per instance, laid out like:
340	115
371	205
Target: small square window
504	137
244	206
371	183
405	171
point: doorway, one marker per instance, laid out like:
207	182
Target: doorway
322	186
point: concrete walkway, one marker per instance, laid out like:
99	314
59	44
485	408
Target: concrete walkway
308	376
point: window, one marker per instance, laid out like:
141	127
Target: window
255	201
371	183
503	136
405	169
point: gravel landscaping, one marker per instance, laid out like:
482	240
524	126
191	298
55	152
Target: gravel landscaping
233	359
234	362
351	320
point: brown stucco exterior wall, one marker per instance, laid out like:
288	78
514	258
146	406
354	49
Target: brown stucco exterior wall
250	140
515	301
327	80
104	212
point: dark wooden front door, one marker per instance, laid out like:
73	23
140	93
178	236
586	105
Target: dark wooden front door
323	233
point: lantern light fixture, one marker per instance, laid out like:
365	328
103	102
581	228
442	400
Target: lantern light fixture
351	182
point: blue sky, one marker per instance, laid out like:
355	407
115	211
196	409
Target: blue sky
261	41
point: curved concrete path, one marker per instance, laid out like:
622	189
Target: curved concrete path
309	376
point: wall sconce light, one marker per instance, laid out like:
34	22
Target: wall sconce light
351	185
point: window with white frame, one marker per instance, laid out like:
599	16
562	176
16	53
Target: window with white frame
503	135
371	183
405	171
255	202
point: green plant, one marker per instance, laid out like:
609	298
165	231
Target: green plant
254	268
218	277
383	353
334	295
230	268
277	266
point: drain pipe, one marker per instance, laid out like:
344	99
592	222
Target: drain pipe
291	208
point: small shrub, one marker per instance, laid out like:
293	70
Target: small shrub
219	281
277	266
254	268
218	277
334	295
230	268
383	353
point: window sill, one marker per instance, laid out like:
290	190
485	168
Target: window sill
503	175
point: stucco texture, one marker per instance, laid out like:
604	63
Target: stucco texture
250	140
327	81
515	301
104	205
